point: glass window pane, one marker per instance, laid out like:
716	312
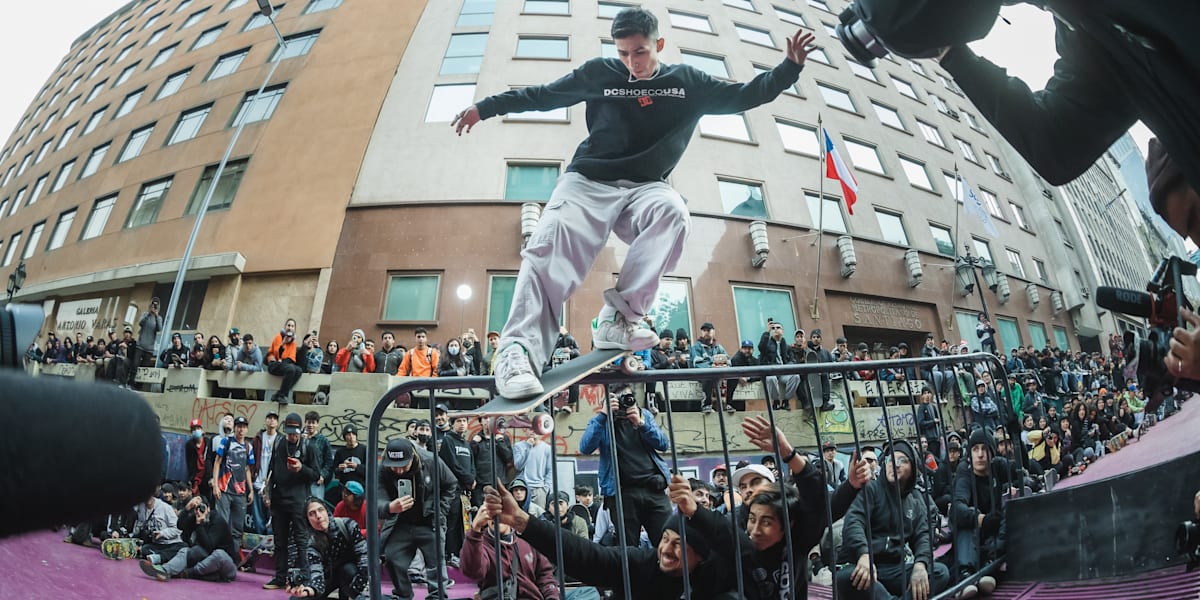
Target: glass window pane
755	305
942	239
189	124
37	189
836	98
684	20
789	16
297	45
556	114
726	126
162	56
145	207
965	323
932	134
227	187
64	175
61	228
500	297
798	138
832	215
539	47
982	250
208	37
98	218
891	226
13	244
411	298
888	116
672	306
255	108
1039	267
1014	261
905	88
713	65
137	141
477	13
228	64
320	5
528	183
862	70
1010	334
1060	338
1037	335
35	237
742	199
1018	215
967	150
464	54
447	100
755	36
172	84
863	157
742	4
916	173
94	160
547	7
128	103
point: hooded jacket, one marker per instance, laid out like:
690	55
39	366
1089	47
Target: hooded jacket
422	489
481	453
456	453
534	574
896	521
980	494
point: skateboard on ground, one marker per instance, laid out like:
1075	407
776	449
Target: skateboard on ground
120	548
253	546
553	381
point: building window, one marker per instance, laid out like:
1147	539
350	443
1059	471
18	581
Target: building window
836	98
754	305
59	236
234	4
862	70
226	190
191	300
608	49
864	157
556	114
742	199
172	84
543	47
789	16
500	295
1037	335
96	89
62	141
547	7
892	227
1014	260
258	20
917	68
732	127
951	184
412	298
943	239
188	124
320	5
37	189
742	4
1039	267
155	37
818	54
671	308
798	138
916	173
297	45
905	88
208	36
128	103
1018	215
64	175
447	100
45	149
1062	230
122	54
135	143
35	237
148	201
994	161
983	250
89	127
1060	338
12	248
17	201
70	107
821	4
831	217
257	107
182	5
967	150
94	160
888	115
974	122
530	182
684	20
28	158
757	36
8	177
993	205
478	13
228	63
1010	334
98	217
713	65
931	133
162	56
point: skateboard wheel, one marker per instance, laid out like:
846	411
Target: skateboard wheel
542	423
630	365
496	423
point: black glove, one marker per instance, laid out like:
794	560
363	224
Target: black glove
991	524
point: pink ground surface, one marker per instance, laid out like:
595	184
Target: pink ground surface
1169	439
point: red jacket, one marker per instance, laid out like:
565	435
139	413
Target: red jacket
360	517
535	576
343	361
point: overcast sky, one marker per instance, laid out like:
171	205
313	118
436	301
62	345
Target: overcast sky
36	35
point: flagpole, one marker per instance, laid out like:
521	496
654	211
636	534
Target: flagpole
954	240
821	141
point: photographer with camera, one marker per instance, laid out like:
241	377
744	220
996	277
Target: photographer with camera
409	511
211	553
644	474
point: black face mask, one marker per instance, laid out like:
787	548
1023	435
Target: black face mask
423	438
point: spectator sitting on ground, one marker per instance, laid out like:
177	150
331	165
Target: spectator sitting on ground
354	358
978	512
337	556
584	507
210	555
176	355
198	352
353	504
157	526
534	577
568	521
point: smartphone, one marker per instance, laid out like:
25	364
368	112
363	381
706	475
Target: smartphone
404	487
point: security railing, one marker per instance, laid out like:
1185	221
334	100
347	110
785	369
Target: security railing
957	371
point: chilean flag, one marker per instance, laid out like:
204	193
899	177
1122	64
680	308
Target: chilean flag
836	169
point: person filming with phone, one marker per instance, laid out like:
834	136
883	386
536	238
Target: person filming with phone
408	509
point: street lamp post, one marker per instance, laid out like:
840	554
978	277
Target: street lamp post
464	294
968	276
16	280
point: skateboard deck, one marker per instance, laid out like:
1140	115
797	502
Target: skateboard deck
553	381
120	548
255	545
812	381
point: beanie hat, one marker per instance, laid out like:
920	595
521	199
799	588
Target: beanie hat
982	436
1161	173
359	333
695	538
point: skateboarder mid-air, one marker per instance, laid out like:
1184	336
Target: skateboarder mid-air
640	116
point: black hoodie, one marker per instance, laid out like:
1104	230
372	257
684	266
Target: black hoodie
895	520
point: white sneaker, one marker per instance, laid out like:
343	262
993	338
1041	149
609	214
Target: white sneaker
987	584
514	375
620	334
968	592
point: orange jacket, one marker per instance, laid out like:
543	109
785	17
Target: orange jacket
280	351
419	364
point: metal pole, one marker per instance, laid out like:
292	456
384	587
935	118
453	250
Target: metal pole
954	239
819	242
180	275
983	301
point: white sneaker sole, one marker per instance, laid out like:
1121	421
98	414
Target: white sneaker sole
519	391
606	345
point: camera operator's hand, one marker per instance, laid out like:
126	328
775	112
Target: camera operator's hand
193	503
1184	357
799	45
301	591
633	414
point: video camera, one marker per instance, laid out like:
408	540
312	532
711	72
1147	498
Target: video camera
870	29
1159	304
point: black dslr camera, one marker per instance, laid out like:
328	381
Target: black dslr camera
1159	304
870	29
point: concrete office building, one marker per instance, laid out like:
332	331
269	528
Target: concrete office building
350	203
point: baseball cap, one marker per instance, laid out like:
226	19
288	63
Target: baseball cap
492	334
747	344
349	428
563	496
863	347
292	423
759	470
240	421
194	424
442	408
816	332
234	331
829	446
355	488
719	468
517	483
706	326
399	453
272	414
129	328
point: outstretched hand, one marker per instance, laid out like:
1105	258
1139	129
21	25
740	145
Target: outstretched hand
680	493
500	504
465	119
760	433
800	45
859	473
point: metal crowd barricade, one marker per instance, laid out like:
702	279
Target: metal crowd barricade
970	362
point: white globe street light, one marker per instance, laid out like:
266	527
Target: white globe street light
464	293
